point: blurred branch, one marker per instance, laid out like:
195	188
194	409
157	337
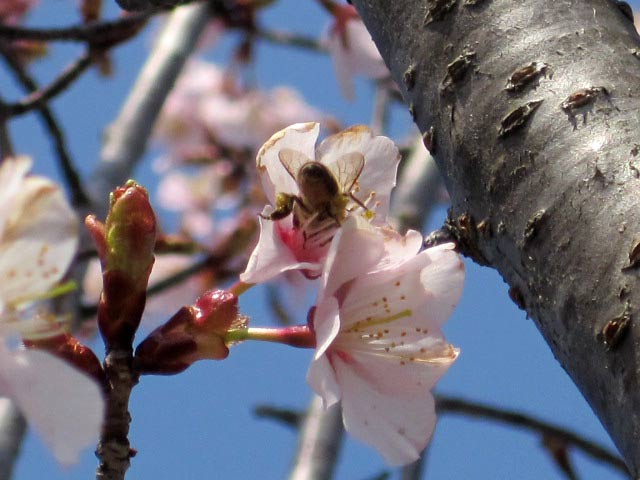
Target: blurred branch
38	98
380	117
12	429
126	138
79	197
95	33
319	442
455	405
290	40
417	192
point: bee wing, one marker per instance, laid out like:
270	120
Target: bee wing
292	161
347	170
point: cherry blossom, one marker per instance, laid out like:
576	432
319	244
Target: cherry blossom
363	166
380	349
209	110
38	239
352	50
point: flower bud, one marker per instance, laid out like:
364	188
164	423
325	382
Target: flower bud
195	332
125	246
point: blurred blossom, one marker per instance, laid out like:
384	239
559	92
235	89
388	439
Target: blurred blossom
38	239
377	322
360	167
209	111
352	50
163	305
13	11
249	119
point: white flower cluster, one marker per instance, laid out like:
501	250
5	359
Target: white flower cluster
382	299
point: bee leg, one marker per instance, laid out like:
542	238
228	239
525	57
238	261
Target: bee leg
357	200
284	207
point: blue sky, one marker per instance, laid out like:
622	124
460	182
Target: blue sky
200	424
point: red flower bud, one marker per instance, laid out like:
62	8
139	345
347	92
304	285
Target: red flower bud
194	333
125	246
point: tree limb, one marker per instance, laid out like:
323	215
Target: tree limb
534	107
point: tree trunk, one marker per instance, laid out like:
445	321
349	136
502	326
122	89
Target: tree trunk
532	109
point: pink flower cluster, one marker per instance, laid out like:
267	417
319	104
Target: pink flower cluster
382	300
212	124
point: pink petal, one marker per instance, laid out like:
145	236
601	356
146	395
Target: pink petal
65	406
398	426
271	256
275	178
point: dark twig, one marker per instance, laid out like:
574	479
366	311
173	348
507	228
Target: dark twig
38	98
286	416
454	405
95	33
79	197
290	39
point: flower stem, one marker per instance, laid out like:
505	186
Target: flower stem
239	288
297	336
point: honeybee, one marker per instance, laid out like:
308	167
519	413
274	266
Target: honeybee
324	191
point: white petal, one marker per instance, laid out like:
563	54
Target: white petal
355	248
271	256
381	164
342	64
443	278
360	57
275	178
322	380
38	242
12	173
398	426
420	292
65	406
326	324
400	365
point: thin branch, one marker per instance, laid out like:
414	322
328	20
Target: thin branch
319	443
12	429
290	39
6	148
38	98
127	137
95	33
79	197
455	405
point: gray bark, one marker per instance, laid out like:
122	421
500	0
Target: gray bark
543	172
